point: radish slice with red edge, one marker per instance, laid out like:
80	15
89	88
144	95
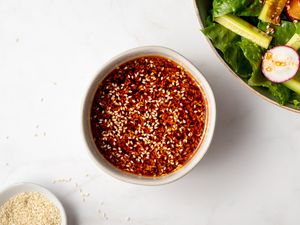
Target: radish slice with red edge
280	64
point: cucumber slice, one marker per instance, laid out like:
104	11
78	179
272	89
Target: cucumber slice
272	10
294	42
294	84
244	29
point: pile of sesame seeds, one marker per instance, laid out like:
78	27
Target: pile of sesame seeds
29	208
148	116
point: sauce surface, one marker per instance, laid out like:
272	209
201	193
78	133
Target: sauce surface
148	116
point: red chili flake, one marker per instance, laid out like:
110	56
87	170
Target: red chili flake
148	116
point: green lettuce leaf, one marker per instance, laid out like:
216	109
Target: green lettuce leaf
254	54
283	33
238	7
281	93
252	10
220	36
226	42
223	7
295	100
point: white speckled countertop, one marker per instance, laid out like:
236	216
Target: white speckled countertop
50	52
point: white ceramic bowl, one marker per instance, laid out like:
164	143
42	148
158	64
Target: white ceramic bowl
106	69
13	190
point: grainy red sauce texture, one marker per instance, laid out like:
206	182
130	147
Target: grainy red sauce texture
148	116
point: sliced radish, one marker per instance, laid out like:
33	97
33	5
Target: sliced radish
280	64
293	9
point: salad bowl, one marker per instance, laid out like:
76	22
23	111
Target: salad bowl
203	9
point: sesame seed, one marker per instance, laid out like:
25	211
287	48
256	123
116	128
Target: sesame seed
142	120
29	208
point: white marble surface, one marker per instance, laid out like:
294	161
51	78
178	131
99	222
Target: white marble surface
50	51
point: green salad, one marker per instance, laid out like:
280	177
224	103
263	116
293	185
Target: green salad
261	42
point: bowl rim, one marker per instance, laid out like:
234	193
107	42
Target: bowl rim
122	58
21	187
252	89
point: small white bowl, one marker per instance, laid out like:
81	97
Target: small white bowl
13	190
106	69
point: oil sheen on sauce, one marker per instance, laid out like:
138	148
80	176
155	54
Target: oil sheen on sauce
148	116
